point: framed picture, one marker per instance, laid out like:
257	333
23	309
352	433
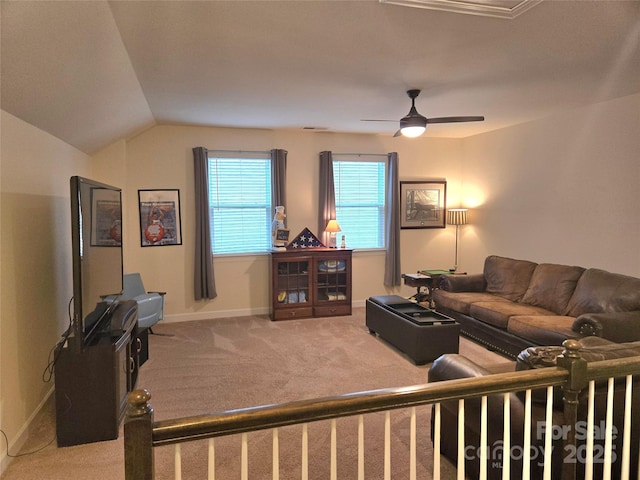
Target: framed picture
160	217
423	204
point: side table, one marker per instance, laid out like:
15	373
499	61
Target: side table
436	277
418	280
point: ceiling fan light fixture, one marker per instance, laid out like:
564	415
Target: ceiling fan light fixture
412	132
414	124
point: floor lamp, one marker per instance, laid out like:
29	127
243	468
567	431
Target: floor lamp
457	217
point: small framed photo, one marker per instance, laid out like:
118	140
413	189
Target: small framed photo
281	237
160	222
423	204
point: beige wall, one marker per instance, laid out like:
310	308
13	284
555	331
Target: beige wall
560	190
564	189
36	282
161	158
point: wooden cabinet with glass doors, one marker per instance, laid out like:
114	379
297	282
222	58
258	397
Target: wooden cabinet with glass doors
314	282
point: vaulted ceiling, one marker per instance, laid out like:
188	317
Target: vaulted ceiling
90	72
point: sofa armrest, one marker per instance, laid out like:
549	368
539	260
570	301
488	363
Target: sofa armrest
451	366
614	326
463	283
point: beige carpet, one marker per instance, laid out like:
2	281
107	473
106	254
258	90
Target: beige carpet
215	365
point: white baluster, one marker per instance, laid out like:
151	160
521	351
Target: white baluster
526	447
461	439
276	455
506	438
177	463
483	438
244	458
547	435
588	467
436	442
626	439
360	447
608	436
387	445
305	452
334	451
412	445
211	463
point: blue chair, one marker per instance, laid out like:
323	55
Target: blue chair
150	304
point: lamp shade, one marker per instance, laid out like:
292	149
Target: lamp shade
457	216
333	226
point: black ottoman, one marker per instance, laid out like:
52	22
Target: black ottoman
422	334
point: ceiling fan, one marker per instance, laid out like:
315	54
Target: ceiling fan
413	124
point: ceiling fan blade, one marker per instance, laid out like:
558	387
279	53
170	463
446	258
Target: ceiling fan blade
397	134
375	120
454	119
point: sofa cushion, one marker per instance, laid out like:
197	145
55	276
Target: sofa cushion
462	301
551	286
599	291
498	313
507	277
542	329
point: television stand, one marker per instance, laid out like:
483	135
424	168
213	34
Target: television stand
92	382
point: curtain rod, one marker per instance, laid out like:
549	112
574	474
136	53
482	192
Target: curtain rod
238	151
362	154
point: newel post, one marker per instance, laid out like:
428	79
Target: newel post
571	361
138	441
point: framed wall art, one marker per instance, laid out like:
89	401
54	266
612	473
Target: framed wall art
423	204
160	222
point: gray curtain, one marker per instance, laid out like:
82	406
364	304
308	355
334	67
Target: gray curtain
327	196
392	275
204	281
278	179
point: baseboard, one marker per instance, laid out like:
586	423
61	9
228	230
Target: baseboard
208	315
243	312
23	435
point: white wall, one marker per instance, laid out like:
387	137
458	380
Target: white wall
564	189
36	278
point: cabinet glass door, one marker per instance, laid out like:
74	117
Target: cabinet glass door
293	282
332	282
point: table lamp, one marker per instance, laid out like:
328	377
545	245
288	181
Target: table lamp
333	227
457	217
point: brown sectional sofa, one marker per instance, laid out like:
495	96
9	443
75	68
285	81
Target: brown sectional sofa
515	304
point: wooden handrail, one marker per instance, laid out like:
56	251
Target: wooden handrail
176	430
142	433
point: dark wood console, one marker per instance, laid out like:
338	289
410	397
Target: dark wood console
92	382
310	282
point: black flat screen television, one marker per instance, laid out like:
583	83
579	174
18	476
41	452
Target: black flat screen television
96	237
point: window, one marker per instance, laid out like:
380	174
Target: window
240	203
360	198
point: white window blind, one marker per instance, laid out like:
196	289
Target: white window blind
240	203
360	199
